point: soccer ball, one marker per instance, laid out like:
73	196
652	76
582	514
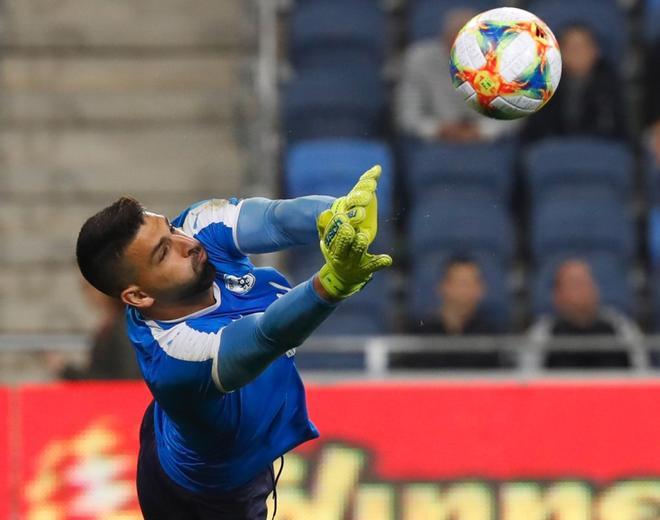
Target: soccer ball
506	63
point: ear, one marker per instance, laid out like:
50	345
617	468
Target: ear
136	297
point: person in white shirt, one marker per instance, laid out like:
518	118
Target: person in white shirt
427	106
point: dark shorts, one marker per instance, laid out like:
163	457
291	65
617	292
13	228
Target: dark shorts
162	499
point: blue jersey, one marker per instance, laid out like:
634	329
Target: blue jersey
209	441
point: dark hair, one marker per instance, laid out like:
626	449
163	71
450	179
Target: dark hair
456	259
582	26
102	241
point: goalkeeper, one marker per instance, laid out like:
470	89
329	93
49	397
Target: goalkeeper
215	336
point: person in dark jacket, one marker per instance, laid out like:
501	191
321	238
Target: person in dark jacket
588	101
461	290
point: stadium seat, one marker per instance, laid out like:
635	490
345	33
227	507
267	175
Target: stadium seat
486	168
600	15
425	17
652	20
579	164
324	104
426	272
333	35
610	274
445	221
570	226
333	166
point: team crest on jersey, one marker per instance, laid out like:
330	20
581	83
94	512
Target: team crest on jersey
239	284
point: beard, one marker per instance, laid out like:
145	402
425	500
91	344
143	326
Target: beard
193	288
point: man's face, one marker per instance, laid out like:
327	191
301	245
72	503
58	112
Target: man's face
579	52
576	295
462	286
167	264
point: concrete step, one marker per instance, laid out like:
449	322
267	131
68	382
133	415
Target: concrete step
127	23
40	300
76	162
45	234
84	89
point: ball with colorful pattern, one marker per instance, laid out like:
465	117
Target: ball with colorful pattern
506	63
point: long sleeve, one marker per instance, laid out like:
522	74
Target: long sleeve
266	225
248	345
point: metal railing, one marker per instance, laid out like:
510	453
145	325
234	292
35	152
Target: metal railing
374	357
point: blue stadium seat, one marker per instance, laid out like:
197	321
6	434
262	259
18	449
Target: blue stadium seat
423	298
425	17
610	274
461	222
487	168
324	104
578	164
334	35
652	20
601	15
585	226
332	167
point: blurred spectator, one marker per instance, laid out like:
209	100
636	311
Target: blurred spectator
588	100
111	353
461	290
578	312
428	106
652	105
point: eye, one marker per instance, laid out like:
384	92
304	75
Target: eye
166	249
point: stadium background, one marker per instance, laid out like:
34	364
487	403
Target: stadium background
178	100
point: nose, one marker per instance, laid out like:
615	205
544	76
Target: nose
188	245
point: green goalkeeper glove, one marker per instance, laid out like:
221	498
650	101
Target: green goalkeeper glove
361	204
348	265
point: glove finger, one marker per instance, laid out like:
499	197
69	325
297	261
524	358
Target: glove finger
322	221
373	263
343	241
356	215
365	185
358	248
372	173
332	230
359	198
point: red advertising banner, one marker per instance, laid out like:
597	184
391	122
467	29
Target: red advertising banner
78	446
6	475
463	451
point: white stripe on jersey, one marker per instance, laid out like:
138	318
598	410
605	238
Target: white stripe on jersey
214	211
185	343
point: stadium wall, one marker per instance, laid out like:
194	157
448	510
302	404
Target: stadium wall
437	451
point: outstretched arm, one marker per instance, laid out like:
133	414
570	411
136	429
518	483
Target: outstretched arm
266	225
249	345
